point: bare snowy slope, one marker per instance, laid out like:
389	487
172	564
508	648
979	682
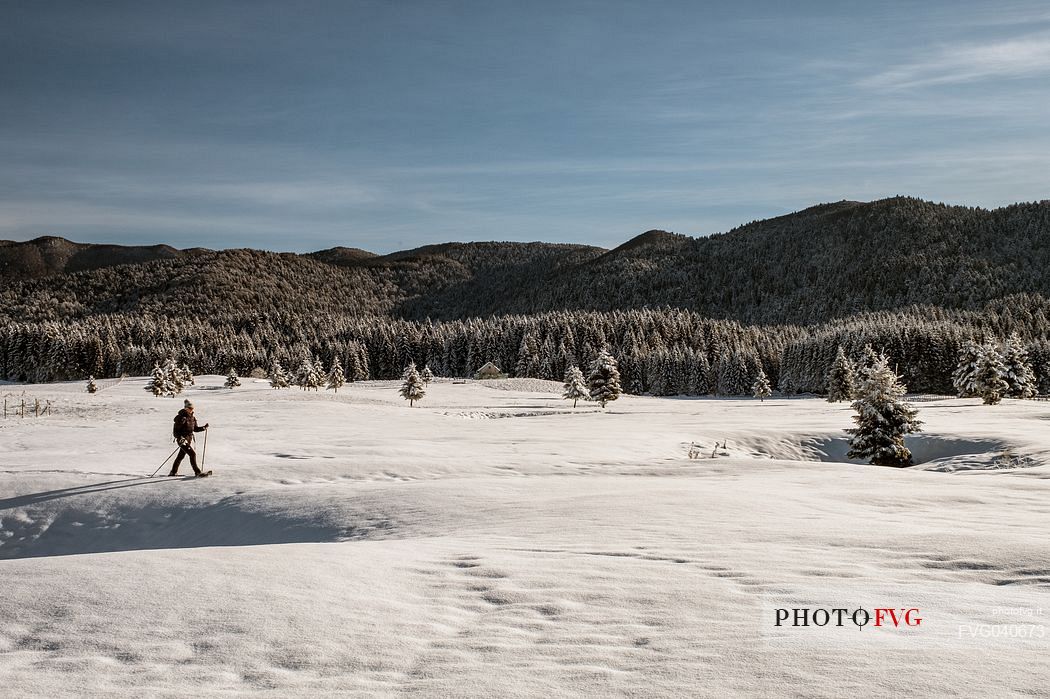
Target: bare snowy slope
350	544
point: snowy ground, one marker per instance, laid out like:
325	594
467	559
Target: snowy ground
494	542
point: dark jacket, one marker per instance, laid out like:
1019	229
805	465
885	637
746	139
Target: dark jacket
185	425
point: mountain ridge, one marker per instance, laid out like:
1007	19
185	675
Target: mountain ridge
826	261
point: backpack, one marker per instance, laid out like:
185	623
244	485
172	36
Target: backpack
179	428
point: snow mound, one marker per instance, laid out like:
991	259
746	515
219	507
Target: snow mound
523	385
494	415
1005	459
930	452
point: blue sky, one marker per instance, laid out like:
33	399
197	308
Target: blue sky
386	125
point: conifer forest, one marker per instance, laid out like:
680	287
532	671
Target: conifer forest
681	316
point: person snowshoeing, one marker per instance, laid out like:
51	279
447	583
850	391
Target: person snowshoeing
185	426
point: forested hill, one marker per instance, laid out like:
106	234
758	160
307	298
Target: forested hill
824	262
821	263
49	255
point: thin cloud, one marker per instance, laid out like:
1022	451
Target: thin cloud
1022	57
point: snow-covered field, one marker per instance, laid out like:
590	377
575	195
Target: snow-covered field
494	542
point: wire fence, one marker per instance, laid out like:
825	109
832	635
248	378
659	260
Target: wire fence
25	406
926	397
103	384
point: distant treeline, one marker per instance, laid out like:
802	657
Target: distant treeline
660	351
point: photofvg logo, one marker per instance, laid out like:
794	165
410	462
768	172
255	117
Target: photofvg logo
912	616
841	617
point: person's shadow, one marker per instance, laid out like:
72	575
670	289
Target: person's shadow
36	498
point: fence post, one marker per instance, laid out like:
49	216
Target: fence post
23	408
36	407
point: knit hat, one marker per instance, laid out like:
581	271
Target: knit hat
187	404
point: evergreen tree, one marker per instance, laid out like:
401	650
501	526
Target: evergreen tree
426	374
841	380
336	379
1019	374
362	371
316	378
761	389
883	418
302	374
185	376
412	388
964	378
173	376
867	361
160	384
308	377
702	375
575	386
402	350
604	380
278	379
528	357
351	369
990	382
92	387
732	377
232	380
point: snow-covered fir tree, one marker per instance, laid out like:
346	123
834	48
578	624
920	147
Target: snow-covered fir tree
841	379
363	369
173	375
702	375
731	375
302	374
160	384
336	379
603	383
868	359
575	386
528	357
232	380
964	378
92	387
356	362
308	377
426	374
278	378
760	388
185	376
412	388
883	418
990	382
1019	374
545	370
402	350
317	379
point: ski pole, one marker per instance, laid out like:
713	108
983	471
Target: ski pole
164	462
204	451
